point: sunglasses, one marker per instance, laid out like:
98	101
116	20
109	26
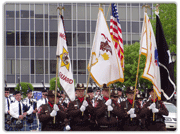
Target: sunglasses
6	92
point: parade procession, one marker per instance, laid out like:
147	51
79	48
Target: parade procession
103	103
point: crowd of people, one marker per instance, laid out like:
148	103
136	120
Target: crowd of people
102	110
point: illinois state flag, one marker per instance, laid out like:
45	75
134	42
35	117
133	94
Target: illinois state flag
149	49
106	67
65	73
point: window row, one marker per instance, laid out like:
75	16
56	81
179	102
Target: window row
81	11
41	67
70	25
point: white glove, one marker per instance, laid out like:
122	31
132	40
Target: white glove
53	113
68	128
30	110
82	108
109	108
55	107
153	105
108	102
155	110
132	115
131	111
85	103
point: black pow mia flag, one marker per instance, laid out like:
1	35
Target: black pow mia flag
165	62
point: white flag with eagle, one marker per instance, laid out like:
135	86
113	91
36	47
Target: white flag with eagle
65	73
106	67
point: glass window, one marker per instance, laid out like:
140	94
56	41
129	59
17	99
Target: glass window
94	12
53	25
67	25
25	39
39	38
122	13
24	67
10	52
81	10
39	67
67	12
52	66
39	52
53	39
24	52
135	27
38	25
38	11
81	53
81	39
52	11
32	66
81	66
9	10
135	14
25	24
10	24
81	25
10	38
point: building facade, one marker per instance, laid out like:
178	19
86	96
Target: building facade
30	37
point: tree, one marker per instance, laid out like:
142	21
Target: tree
131	54
167	14
24	87
168	18
53	84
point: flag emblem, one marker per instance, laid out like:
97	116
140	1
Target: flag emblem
65	59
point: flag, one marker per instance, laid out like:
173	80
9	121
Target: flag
65	73
149	49
106	67
166	66
116	34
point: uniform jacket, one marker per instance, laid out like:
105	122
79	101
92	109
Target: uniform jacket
76	115
102	113
147	113
47	121
126	106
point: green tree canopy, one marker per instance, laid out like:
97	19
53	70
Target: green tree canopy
131	54
24	87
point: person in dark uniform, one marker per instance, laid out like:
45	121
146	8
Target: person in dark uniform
130	115
79	121
116	108
105	112
47	112
159	109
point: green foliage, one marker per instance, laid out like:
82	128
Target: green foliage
24	87
131	54
168	18
53	84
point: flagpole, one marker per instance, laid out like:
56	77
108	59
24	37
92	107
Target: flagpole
57	59
157	11
88	81
137	74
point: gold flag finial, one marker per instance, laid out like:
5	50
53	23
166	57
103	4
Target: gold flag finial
60	9
101	4
146	6
157	9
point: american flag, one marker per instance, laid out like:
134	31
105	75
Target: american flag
116	33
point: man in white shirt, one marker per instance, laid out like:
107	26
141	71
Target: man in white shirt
7	108
18	111
43	100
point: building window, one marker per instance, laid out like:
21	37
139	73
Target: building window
53	67
10	38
